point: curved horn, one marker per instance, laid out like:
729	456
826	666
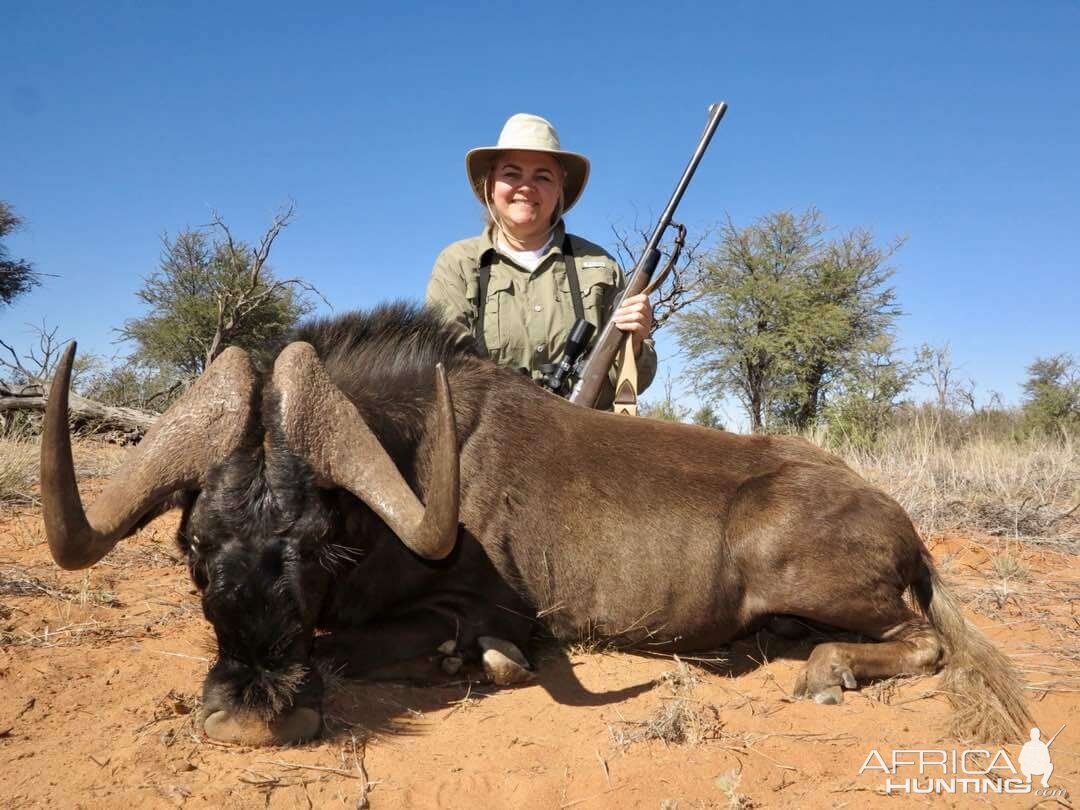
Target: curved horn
323	426
200	430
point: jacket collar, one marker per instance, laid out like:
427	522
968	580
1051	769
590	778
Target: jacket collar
487	240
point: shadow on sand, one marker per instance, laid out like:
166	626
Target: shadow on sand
398	706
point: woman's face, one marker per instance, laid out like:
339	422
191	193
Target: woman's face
525	192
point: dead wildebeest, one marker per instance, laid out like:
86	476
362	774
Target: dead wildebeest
297	484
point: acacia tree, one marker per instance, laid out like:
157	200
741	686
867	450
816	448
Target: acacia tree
17	276
1052	394
784	313
212	291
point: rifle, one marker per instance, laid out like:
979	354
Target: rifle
594	370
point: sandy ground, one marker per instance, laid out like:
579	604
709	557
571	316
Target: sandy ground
100	672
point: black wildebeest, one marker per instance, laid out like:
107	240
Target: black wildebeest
378	491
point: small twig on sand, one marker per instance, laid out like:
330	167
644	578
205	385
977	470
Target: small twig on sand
604	767
181	655
301	766
466	701
26	707
587	798
775	762
359	749
922	696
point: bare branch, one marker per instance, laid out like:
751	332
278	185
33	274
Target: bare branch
281	221
683	286
41	360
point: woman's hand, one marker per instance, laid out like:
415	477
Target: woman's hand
635	316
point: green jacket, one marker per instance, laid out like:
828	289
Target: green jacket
529	315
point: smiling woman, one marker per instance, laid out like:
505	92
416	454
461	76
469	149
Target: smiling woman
520	285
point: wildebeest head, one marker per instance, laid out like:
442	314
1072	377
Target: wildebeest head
257	459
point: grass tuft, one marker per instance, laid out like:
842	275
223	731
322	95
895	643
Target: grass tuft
680	719
18	471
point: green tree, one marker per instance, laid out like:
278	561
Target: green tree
784	313
17	276
1052	394
866	395
209	292
706	416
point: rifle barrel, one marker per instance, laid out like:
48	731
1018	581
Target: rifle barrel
716	113
607	343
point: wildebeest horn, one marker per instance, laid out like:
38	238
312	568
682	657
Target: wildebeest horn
200	430
324	427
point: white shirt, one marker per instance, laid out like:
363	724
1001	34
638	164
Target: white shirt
529	259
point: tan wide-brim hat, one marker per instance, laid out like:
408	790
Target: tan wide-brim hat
529	133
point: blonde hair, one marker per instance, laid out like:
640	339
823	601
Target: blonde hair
492	215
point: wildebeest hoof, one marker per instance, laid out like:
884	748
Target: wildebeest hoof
451	665
297	726
832	696
848	678
448	647
503	662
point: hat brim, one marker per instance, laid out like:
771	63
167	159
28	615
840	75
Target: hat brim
478	165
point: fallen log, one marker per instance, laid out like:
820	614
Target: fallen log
83	412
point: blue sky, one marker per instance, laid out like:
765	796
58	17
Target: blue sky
955	124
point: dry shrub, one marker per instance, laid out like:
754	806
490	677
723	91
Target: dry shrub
680	719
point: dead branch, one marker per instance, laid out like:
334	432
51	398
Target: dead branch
683	286
41	361
235	305
82	412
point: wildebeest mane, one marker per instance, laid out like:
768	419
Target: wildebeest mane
394	343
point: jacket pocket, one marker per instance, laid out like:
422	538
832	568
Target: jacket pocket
499	316
598	285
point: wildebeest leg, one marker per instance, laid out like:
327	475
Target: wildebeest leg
389	648
419	648
907	647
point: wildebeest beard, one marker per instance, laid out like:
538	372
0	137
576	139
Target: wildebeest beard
255	540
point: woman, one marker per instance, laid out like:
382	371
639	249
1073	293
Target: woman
520	285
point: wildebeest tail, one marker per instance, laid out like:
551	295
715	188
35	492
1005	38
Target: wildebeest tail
983	686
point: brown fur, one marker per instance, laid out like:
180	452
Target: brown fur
681	537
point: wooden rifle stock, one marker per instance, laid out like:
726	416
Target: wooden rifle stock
595	369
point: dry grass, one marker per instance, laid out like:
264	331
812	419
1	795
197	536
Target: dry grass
18	470
17	581
1026	489
19	462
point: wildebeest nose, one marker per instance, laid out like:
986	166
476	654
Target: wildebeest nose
296	726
